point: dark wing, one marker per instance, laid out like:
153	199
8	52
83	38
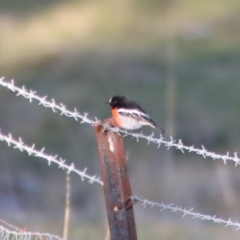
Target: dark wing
139	115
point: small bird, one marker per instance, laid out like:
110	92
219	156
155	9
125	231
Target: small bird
129	115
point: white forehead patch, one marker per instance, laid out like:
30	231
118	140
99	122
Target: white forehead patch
110	100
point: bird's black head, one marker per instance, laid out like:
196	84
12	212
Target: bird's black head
118	101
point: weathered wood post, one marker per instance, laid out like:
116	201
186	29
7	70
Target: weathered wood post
117	188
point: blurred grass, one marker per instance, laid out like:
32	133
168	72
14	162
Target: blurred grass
88	24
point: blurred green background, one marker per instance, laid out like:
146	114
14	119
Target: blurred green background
178	59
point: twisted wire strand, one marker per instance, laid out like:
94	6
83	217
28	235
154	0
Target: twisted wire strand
83	118
186	212
20	145
6	234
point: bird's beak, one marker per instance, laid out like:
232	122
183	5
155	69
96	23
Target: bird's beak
107	102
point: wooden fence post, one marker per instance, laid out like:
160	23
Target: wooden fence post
117	188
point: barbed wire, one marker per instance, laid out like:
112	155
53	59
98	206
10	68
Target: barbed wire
83	118
20	145
185	212
6	234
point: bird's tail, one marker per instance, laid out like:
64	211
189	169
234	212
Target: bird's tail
154	125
